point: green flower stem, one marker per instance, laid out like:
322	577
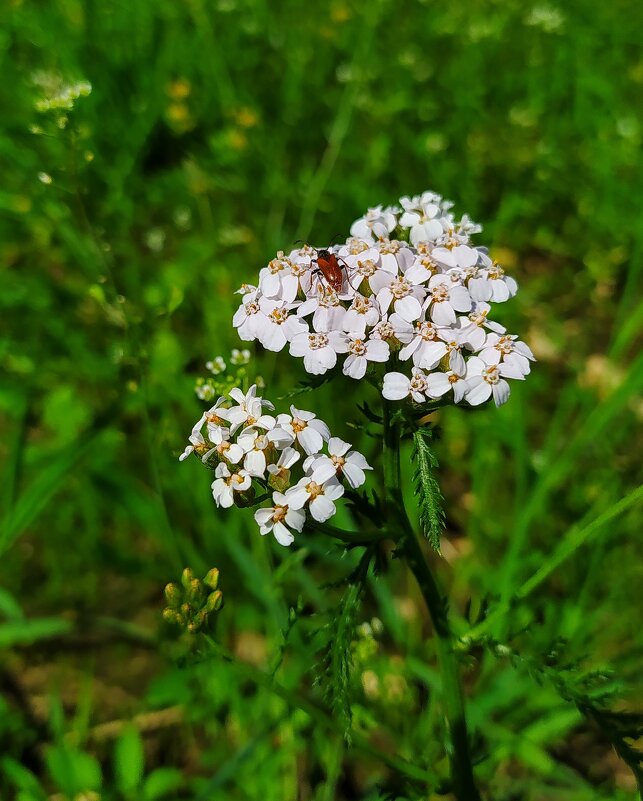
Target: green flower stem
401	528
366	537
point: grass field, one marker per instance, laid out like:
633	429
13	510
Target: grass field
215	134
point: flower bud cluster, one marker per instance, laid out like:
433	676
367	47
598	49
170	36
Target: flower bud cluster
224	375
292	459
191	604
59	95
407	289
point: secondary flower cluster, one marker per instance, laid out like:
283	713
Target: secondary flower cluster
250	449
408	289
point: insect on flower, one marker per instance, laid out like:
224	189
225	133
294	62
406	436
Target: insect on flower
328	265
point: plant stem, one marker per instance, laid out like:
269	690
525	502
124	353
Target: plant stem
463	782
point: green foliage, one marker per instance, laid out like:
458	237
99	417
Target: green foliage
215	134
334	671
590	692
427	488
129	760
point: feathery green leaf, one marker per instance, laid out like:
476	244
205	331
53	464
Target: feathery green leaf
427	488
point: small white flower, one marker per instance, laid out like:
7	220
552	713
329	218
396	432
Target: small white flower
472	327
249	411
239	356
422	216
248	291
317	350
249	320
484	380
492	284
445	299
427	346
216	366
229	451
376	223
226	484
394	256
340	462
509	350
279	519
405	291
255	443
362	313
438	384
328	310
319	495
197	441
277	324
463	257
398	386
277	279
287	458
360	352
309	432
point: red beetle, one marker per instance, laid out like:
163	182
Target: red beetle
328	265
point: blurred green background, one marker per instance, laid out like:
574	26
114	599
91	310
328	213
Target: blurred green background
216	133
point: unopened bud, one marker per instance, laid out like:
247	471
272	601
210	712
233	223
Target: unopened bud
212	578
194	593
186	577
244	498
197	622
173	595
172	616
214	601
280	479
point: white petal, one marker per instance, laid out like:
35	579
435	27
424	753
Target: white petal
358	459
377	350
456	362
409	308
324	469
499	291
337	446
255	463
478	391
322	509
333	489
263	516
396	386
299	345
273	338
296	518
282	535
310	440
437	384
429	355
354	475
442	313
320	425
501	392
460	299
355	366
297	497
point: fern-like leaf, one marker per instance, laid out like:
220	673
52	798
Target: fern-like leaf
336	665
590	692
427	488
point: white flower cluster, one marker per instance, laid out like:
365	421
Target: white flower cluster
407	288
247	446
59	95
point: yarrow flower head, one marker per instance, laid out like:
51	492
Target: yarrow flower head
405	301
255	457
